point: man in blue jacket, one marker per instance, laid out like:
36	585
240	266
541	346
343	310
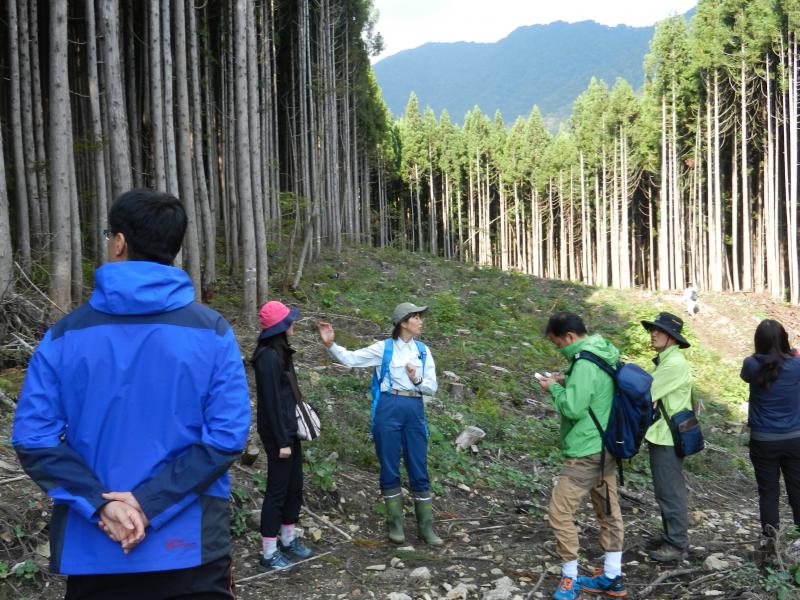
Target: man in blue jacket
134	407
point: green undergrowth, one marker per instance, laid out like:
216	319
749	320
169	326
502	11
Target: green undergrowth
486	328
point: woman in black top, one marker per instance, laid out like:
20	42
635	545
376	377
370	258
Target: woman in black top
278	395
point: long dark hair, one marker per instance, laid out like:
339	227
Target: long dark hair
280	343
772	341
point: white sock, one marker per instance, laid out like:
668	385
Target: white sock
269	544
287	534
613	565
570	569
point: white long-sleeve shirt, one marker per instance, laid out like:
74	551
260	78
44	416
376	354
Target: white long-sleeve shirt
397	378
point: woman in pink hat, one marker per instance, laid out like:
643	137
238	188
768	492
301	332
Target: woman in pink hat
278	396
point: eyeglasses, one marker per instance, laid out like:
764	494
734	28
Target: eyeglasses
108	234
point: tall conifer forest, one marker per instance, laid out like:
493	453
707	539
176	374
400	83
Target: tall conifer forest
692	181
264	118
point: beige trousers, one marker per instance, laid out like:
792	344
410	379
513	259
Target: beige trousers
581	476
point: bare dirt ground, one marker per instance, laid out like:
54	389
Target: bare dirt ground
490	534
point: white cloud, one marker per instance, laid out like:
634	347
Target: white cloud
411	23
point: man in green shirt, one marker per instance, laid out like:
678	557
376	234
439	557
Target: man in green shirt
672	386
584	386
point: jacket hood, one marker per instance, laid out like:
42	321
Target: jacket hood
597	345
138	287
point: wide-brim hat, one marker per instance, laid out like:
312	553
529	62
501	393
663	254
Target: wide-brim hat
669	324
275	317
404	310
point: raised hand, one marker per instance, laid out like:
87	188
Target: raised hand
325	333
412	372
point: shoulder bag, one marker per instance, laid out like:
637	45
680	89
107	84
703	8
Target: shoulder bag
685	428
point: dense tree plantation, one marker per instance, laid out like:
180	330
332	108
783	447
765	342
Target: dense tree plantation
693	181
261	115
265	119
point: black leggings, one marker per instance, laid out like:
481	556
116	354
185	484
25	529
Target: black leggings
284	495
770	459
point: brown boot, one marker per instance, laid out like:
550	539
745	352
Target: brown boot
668	553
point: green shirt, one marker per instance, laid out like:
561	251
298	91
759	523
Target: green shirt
672	384
585	386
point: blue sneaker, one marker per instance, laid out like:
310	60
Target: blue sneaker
276	562
295	549
600	584
567	590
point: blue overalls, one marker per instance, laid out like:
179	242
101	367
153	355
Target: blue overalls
399	427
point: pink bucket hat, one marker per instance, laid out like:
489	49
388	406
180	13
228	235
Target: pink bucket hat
276	317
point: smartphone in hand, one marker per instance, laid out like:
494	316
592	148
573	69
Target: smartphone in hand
541	376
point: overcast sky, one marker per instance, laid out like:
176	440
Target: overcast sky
410	23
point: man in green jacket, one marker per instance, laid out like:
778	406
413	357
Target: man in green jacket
672	386
584	386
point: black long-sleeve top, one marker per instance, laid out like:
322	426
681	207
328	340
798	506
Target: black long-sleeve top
276	419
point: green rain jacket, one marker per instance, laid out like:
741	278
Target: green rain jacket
672	384
585	385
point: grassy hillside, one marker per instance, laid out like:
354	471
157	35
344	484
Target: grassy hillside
485	327
485	331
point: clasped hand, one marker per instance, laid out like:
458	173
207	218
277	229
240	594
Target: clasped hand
123	520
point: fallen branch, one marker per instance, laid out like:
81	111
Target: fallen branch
268	573
486	528
35	287
715	575
645	593
714	543
328	524
25	344
11	479
241	467
721	450
467	557
538	584
478	518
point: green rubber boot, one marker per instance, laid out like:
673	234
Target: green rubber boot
394	515
424	512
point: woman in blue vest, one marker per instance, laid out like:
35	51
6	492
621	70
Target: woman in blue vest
404	372
773	373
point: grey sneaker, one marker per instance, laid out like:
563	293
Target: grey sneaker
296	549
277	562
668	553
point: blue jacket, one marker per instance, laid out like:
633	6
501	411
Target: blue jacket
139	390
777	409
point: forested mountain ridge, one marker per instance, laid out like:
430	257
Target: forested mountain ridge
547	65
